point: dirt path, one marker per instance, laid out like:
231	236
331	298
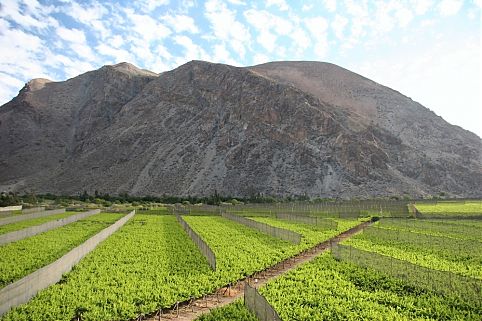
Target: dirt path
188	311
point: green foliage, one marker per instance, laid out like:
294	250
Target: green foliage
311	234
235	311
40	250
32	222
9	199
460	254
149	263
326	289
451	208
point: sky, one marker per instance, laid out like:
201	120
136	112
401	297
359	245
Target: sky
429	50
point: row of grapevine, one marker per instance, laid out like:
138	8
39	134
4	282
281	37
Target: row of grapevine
24	217
453	210
337	209
203	246
40	250
327	289
446	283
459	255
280	233
37	229
151	264
33	222
23	290
323	223
18	211
454	229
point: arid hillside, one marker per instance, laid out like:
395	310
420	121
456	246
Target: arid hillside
282	128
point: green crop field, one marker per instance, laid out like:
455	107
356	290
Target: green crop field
25	256
232	312
151	263
35	221
463	229
311	234
451	208
326	289
461	254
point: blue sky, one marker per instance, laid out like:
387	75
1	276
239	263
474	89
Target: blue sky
429	50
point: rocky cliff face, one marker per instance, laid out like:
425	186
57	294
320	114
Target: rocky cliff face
284	128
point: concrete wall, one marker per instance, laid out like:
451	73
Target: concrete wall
19	218
10	208
33	210
23	290
34	230
257	304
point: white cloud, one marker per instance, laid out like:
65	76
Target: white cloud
86	15
162	51
338	24
404	16
444	77
146	27
181	23
18	47
92	16
151	5
306	7
260	58
421	6
9	87
84	51
271	27
226	27
28	14
119	55
237	2
191	50
356	8
318	29
71	35
116	41
281	4
77	41
221	54
449	7
330	5
300	39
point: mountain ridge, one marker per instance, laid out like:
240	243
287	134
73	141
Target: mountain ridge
281	128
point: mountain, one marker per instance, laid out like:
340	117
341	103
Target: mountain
281	128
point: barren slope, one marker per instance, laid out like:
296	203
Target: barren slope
277	129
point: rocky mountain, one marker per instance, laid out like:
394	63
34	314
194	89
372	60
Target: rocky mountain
282	128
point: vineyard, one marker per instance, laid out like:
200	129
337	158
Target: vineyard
40	250
37	221
398	268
